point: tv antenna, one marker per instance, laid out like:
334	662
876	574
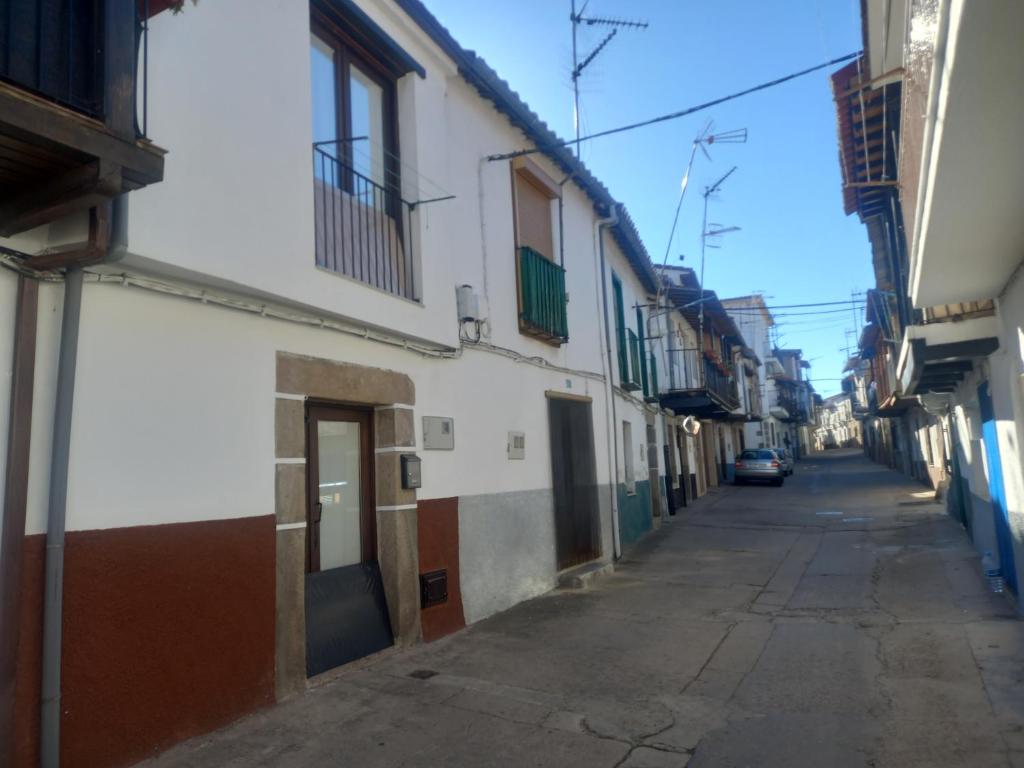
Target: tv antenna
578	66
705	233
703	140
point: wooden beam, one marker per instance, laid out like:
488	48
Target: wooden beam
81	187
33	119
865	184
15	500
79	254
898	72
961	350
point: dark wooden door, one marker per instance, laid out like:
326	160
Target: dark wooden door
346	612
574	482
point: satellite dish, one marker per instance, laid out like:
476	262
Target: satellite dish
691	426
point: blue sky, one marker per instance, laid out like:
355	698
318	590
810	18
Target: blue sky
795	243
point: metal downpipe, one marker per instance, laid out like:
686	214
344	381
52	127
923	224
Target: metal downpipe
602	224
53	595
60	459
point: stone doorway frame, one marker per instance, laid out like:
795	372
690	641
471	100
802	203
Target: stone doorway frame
392	395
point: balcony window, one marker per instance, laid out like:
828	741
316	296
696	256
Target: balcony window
363	226
540	278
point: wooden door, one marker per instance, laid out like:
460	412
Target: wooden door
574	482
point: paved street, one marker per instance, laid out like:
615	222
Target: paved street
838	621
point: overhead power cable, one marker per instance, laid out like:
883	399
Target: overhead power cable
808	313
675	115
847	302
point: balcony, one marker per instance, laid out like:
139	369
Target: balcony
937	354
364	230
697	387
542	302
70	135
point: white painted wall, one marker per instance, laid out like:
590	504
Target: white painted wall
8	299
174	404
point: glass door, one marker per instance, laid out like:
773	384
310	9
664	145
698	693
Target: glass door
341	516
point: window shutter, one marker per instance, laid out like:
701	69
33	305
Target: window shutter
620	330
643	351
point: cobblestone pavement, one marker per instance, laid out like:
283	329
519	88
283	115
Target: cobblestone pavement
838	621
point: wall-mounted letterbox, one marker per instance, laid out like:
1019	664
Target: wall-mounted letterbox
433	588
411	471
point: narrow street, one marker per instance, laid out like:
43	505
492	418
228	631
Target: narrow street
838	621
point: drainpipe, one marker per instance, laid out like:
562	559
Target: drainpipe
53	596
609	400
15	498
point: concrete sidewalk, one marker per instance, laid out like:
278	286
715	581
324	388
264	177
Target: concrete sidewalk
838	621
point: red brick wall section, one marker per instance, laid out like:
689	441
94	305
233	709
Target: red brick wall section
28	677
168	634
438	532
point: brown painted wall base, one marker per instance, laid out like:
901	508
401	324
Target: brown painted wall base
438	529
168	633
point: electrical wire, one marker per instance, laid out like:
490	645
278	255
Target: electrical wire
675	115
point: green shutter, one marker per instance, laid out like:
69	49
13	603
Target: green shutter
542	285
643	352
635	357
620	330
654	375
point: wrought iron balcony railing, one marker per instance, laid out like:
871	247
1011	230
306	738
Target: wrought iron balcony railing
689	369
364	229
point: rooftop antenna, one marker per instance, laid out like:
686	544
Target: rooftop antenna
705	233
703	140
577	65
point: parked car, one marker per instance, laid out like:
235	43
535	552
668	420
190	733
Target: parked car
786	457
759	464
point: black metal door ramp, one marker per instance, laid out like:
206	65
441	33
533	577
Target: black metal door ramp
346	616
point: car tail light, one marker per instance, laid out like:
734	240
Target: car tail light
739	463
775	463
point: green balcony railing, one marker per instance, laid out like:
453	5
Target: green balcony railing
542	304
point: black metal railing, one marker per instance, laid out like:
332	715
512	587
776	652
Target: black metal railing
62	51
721	385
364	230
55	49
786	398
689	369
684	369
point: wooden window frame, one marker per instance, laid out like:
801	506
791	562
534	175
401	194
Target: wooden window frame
315	413
349	52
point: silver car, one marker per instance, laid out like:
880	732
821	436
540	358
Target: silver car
759	464
787	460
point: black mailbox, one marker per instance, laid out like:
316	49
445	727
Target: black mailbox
411	471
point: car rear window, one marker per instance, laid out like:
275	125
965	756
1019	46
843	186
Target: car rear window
749	455
766	455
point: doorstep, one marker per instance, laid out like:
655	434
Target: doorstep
584	576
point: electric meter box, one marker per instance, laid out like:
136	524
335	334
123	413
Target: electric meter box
438	433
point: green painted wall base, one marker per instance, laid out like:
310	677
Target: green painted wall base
634	512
